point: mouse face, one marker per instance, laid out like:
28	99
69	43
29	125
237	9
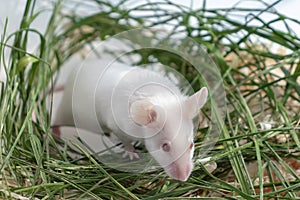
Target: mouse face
172	146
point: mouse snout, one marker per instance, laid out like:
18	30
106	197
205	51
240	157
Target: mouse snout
180	171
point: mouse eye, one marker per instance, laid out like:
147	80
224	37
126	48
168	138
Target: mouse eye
166	147
191	145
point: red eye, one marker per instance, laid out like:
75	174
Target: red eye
166	147
191	145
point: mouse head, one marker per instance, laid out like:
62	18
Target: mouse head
172	147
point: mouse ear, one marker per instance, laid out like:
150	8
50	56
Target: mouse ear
143	112
195	102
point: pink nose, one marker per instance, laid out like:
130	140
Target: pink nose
180	172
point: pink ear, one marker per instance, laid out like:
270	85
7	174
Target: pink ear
152	115
195	102
142	112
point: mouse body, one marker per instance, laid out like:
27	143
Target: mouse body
135	104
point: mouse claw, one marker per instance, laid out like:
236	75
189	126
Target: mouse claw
131	155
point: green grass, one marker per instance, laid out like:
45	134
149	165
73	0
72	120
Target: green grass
34	166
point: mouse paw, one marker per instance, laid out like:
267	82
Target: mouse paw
131	155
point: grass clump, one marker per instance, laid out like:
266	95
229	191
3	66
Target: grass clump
257	154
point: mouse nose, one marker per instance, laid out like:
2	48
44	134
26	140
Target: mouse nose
180	171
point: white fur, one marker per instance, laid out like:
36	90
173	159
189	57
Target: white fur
134	103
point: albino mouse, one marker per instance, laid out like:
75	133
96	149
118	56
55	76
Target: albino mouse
135	104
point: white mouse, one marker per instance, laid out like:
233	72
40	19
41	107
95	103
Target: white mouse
135	104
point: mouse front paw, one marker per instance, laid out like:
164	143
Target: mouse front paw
130	151
131	154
